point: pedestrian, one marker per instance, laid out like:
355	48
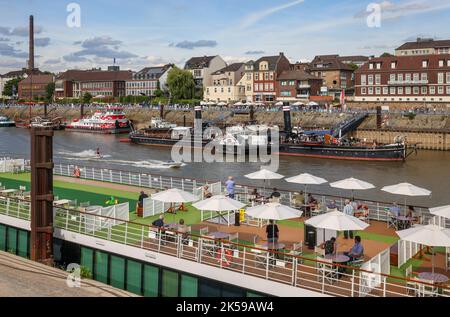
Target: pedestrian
230	184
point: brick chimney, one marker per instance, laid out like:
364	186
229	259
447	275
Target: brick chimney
31	45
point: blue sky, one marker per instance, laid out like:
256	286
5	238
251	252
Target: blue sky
146	32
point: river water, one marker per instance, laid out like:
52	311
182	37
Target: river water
429	169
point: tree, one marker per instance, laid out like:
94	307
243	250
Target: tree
158	93
50	90
87	97
181	84
8	89
353	66
386	54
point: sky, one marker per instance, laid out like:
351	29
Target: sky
140	33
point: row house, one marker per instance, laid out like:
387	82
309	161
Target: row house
265	74
34	86
146	81
336	75
225	85
99	83
297	85
203	67
247	81
420	78
423	46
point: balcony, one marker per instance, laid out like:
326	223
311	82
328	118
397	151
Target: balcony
408	82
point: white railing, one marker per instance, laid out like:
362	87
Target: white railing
377	210
287	268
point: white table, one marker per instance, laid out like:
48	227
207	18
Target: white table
61	202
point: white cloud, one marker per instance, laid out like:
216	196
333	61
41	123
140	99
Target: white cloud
253	18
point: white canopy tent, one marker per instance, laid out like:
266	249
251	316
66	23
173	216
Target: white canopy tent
279	104
429	235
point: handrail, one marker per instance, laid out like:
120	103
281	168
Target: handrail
297	257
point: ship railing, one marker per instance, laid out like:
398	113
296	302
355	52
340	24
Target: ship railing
378	210
294	269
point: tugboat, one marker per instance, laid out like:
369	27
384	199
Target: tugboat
112	120
6	122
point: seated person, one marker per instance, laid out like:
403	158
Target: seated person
329	246
254	195
311	200
357	251
275	194
183	230
395	209
159	222
332	205
411	212
206	192
299	200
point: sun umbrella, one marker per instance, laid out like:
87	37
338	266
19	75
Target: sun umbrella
406	189
174	195
352	184
239	104
221	104
264	174
429	235
279	103
219	203
312	104
306	179
298	103
443	211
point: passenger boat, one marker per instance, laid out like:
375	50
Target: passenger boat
6	122
55	124
111	120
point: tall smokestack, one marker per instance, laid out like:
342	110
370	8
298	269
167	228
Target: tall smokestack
31	51
287	118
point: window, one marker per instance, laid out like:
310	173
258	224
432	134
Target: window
271	76
151	281
256	76
261	87
424	76
249	76
392	91
377	79
441	63
416	76
256	87
400	77
266	76
392	77
189	286
101	267
400	90
432	90
448	63
448	90
424	90
371	66
370	79
440	90
393	65
117	275
408	90
169	284
378	65
249	87
424	64
378	90
291	83
285	93
363	79
363	91
440	78
416	90
385	90
448	78
370	90
266	87
408	77
271	86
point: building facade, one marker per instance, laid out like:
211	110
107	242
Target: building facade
357	60
23	73
148	80
418	78
297	85
247	80
335	74
202	69
34	86
99	83
225	85
265	75
423	47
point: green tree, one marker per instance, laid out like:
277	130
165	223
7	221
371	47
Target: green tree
353	66
386	54
181	84
87	97
8	89
50	91
158	93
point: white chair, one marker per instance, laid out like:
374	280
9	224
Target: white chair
391	220
153	233
260	257
326	271
208	245
297	250
411	286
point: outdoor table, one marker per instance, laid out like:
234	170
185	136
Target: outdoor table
403	222
338	258
435	277
273	246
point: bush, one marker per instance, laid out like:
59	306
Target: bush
85	272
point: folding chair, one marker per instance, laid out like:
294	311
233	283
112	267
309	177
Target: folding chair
327	272
411	286
391	220
260	257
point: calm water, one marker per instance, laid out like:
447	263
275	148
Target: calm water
429	169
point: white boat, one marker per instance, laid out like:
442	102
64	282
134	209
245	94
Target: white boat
112	120
172	164
6	122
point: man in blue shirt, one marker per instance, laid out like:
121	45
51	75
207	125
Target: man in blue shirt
230	184
357	251
348	210
395	210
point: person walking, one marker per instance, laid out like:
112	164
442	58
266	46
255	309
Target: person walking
230	184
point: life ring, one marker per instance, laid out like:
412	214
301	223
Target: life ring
228	256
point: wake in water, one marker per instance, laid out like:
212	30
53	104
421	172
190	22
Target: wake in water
91	155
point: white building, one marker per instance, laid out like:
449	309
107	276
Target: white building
202	69
147	80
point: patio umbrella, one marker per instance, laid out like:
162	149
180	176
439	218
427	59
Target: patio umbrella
298	103
306	179
352	184
264	174
312	104
429	235
239	104
219	203
406	189
174	195
443	211
336	220
222	104
273	211
279	104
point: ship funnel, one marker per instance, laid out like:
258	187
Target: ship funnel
287	118
379	119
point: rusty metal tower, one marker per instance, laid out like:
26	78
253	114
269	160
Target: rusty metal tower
42	194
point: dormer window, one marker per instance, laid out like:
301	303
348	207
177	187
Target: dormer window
371	66
394	65
378	65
